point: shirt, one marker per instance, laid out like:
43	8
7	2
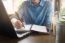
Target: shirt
39	15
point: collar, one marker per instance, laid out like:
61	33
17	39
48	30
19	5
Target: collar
42	3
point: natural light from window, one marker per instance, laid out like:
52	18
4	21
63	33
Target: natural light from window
62	10
12	5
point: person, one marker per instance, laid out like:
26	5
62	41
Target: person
35	12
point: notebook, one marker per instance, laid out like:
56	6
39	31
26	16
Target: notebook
36	28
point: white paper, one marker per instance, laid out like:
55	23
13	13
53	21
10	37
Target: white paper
39	28
25	28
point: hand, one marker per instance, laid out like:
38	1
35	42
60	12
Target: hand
19	24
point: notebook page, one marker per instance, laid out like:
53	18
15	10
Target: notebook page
25	28
39	28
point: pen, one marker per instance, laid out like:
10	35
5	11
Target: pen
30	27
23	24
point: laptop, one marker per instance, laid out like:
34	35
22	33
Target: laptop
6	26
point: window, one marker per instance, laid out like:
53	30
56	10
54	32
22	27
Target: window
62	10
11	6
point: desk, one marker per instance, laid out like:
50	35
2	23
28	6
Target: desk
33	38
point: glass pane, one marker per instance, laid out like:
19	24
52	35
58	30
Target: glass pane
62	11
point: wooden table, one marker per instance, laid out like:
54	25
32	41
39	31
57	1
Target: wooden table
33	38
